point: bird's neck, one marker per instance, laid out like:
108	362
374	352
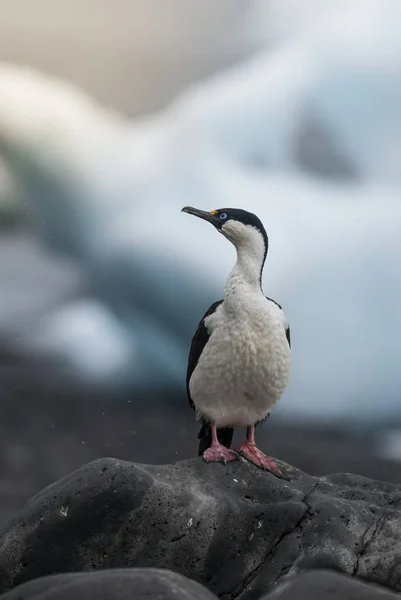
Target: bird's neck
245	276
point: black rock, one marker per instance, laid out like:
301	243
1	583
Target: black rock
112	584
236	529
74	426
326	585
122	584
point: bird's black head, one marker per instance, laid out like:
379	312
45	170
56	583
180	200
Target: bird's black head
236	224
244	229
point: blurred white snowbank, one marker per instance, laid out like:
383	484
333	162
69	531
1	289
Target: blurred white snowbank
109	192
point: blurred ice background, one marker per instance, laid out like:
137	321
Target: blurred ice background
114	115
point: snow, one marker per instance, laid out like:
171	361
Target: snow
110	192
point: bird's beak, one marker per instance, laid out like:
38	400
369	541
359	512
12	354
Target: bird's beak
202	214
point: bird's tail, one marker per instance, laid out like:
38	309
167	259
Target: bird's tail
225	436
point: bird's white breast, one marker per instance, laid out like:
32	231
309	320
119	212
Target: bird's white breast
244	368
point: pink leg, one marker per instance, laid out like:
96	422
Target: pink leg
249	451
217	452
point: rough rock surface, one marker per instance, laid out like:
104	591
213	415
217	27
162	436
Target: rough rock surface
73	426
236	529
115	584
326	585
121	584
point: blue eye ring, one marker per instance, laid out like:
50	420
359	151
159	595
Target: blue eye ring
223	216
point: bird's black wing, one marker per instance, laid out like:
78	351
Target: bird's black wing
288	335
199	341
287	329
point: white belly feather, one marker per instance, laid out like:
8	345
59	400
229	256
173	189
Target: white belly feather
244	368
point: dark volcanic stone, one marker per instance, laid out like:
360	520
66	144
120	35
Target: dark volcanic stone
115	584
73	426
236	529
326	585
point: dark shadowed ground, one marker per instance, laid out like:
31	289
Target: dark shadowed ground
46	432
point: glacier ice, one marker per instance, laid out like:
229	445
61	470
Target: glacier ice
107	192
